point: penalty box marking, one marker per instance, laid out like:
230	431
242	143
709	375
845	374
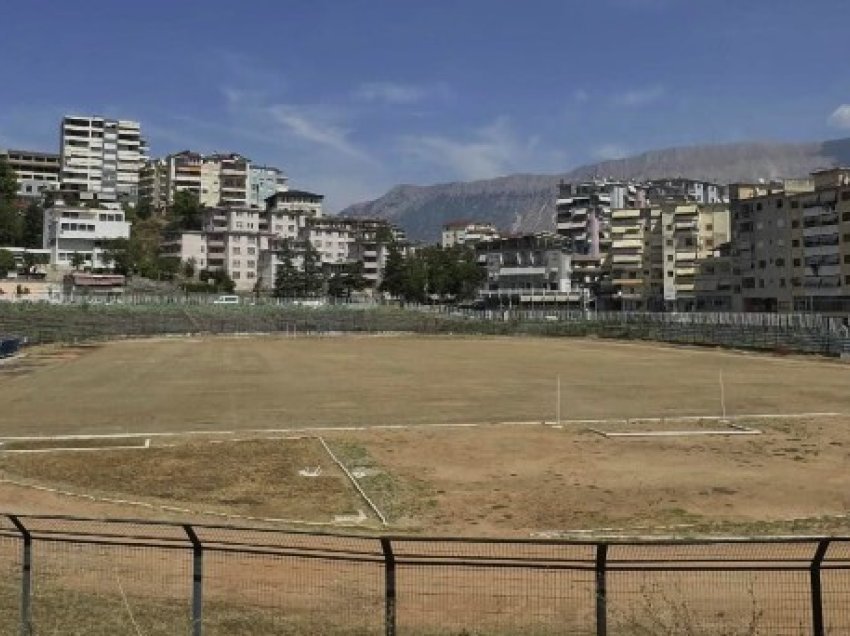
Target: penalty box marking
378	427
58	449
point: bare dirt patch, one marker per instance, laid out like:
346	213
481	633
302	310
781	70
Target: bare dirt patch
522	480
255	478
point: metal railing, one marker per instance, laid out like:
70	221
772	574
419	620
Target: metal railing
74	575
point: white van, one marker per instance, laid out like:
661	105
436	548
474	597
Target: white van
226	300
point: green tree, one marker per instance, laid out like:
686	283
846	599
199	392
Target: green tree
33	226
8	182
189	268
116	252
312	276
7	263
186	212
77	260
11	223
344	283
395	273
287	279
143	210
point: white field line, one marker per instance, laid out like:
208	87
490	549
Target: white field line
353	481
319	429
167	508
750	431
80	449
629	532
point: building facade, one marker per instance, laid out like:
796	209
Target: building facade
529	269
36	172
85	231
467	233
216	180
101	157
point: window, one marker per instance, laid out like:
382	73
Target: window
235	275
780	262
669	274
761	283
779	203
795	243
670	257
237	250
797	262
845	195
758	206
845	217
795	204
782	282
237	264
250	275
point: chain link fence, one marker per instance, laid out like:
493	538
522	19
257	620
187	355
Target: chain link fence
69	575
793	333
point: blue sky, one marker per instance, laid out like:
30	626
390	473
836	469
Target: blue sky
351	97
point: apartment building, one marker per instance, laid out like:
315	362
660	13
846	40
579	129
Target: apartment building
467	233
680	189
715	282
101	158
529	269
36	172
265	181
637	259
216	180
231	241
340	242
762	242
71	229
691	233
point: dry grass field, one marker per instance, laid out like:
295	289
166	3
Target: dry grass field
260	383
490	479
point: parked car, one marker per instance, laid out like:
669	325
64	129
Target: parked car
226	300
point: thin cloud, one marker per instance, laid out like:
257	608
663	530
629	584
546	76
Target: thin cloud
390	93
580	96
311	123
490	151
607	152
840	117
640	96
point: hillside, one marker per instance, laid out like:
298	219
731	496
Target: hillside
526	202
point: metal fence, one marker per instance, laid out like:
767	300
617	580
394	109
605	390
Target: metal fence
72	575
802	333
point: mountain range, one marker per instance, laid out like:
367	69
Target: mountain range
526	202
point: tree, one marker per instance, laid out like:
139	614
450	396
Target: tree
287	277
189	268
7	263
186	211
312	276
33	226
393	281
143	210
77	260
344	283
116	252
8	182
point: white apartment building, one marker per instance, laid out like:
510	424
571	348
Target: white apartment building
535	268
70	230
467	233
37	172
218	179
101	157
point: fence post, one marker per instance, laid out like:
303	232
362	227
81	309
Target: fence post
389	587
197	580
26	577
817	592
601	590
